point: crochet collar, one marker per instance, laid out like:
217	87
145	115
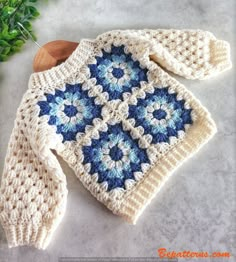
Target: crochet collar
57	74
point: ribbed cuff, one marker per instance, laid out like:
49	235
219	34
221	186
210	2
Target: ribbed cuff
28	234
220	55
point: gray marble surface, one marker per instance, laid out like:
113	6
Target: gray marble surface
196	209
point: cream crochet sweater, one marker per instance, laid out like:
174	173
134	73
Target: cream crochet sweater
120	122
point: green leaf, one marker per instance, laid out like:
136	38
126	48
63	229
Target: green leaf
33	11
7	11
3	43
13	3
3	58
6	50
14	33
16	48
27	25
4	29
10	35
19	43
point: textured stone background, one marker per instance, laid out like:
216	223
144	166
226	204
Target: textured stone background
196	209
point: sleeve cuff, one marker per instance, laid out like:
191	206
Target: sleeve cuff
220	55
28	234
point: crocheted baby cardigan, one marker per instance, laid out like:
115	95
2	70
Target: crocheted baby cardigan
120	122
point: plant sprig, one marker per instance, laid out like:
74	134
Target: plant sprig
13	12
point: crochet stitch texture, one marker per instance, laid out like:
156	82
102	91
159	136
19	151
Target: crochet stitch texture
120	122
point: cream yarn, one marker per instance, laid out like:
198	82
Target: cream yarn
121	123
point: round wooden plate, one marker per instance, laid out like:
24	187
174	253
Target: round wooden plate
52	54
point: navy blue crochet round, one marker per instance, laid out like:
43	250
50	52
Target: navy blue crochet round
117	72
70	110
160	114
114	157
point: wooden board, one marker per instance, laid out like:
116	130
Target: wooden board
52	54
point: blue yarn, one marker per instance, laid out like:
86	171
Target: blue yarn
72	94
116	153
113	60
70	110
115	177
44	108
117	72
159	114
178	120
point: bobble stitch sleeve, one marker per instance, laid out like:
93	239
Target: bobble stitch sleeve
193	54
32	197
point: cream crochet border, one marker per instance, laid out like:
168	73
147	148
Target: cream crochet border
134	202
